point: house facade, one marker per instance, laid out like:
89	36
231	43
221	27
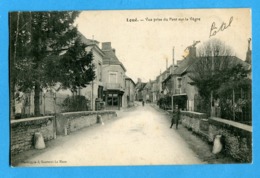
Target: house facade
50	102
147	92
139	90
113	77
155	91
183	92
129	92
175	83
94	91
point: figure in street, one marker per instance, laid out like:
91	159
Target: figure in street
175	117
143	102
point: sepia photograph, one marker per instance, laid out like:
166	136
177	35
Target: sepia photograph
130	87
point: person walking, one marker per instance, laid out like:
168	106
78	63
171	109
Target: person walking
175	117
143	102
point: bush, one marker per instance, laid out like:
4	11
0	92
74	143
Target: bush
76	103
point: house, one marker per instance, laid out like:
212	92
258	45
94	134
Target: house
129	91
113	77
147	92
94	91
184	93
176	85
155	91
138	90
50	102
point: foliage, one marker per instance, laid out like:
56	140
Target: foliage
166	102
45	49
206	72
34	37
214	69
75	103
76	67
240	92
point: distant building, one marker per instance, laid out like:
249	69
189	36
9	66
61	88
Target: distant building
129	91
147	92
139	90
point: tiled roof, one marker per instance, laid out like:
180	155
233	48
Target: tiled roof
168	78
184	65
111	59
86	40
91	44
128	78
140	86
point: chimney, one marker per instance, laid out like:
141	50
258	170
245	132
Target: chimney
114	50
139	80
106	46
192	51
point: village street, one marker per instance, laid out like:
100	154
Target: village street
99	89
139	136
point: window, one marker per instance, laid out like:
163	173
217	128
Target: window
179	82
100	71
112	100
112	77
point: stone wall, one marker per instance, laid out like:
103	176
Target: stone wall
193	121
72	121
23	130
237	136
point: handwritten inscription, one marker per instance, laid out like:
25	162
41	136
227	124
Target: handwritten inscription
214	30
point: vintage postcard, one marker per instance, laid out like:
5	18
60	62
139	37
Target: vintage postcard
130	87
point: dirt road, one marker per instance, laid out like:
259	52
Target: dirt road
140	136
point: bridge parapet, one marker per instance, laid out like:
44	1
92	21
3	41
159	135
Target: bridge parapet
237	136
23	130
72	121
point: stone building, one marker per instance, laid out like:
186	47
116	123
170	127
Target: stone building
94	91
113	77
139	90
129	92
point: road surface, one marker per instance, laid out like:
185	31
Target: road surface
139	136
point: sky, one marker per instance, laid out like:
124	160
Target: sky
144	39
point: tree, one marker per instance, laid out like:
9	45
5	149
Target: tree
76	69
238	90
37	40
214	66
